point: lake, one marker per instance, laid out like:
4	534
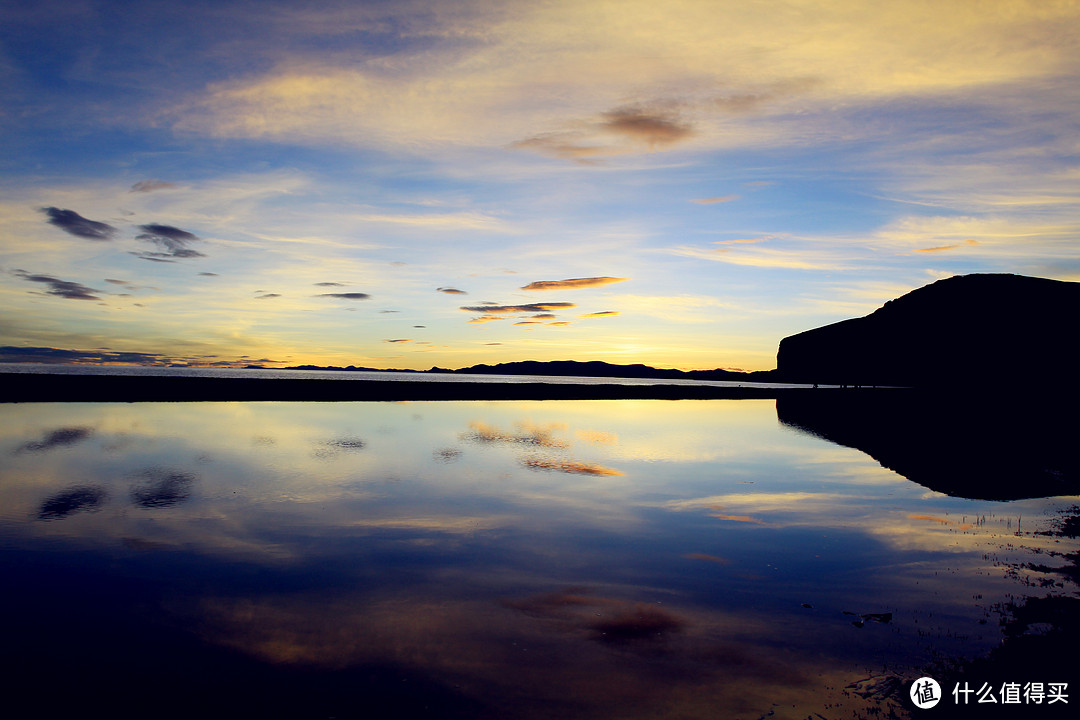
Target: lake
496	559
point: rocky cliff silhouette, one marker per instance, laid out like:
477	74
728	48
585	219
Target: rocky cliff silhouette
967	329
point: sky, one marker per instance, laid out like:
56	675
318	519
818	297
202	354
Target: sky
409	184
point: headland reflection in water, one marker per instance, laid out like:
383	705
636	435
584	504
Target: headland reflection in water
576	559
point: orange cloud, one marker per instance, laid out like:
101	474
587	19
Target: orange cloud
738	518
572	283
561	323
484	319
402	340
946	247
605	313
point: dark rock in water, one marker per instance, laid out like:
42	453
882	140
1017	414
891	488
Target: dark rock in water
966	329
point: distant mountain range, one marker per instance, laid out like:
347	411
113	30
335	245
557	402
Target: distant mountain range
963	330
574	368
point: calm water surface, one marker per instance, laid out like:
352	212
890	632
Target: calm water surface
571	559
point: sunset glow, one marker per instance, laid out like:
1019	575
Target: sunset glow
424	183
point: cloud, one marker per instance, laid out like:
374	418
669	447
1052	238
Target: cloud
173	241
329	284
738	518
484	319
453	221
529	322
745	241
59	356
145	186
404	340
572	283
614	132
75	224
941	248
130	285
762	257
650	76
267	296
715	200
651	129
561	323
563	146
451	291
60	288
605	313
350	296
527	308
208	274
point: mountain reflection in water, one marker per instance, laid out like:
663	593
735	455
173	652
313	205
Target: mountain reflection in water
576	559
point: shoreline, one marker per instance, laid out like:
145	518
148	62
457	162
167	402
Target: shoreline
33	387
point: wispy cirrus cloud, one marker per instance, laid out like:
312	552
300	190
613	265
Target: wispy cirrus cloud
745	241
604	313
572	283
764	258
75	224
449	221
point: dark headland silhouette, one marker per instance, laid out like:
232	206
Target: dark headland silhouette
967	329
